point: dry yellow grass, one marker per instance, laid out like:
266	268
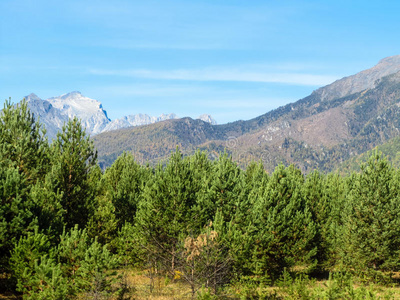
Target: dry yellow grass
139	286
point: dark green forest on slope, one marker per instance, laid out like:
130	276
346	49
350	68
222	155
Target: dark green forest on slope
311	133
67	227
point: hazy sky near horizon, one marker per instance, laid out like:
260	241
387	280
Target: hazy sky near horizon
229	58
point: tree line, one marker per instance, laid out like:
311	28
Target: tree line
66	225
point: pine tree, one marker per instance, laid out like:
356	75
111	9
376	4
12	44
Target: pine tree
103	222
34	267
240	233
16	217
334	189
71	250
371	236
221	189
313	190
123	185
22	142
73	160
77	265
201	169
23	164
324	195
94	274
130	246
27	251
252	187
46	282
165	212
47	208
284	231
84	261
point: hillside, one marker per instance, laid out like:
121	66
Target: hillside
389	149
156	141
333	124
321	134
54	112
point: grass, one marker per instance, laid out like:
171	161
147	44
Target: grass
139	286
337	287
136	284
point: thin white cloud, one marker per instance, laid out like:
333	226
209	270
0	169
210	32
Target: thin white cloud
176	25
242	103
193	95
150	90
216	74
129	44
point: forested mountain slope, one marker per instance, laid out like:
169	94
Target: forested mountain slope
333	124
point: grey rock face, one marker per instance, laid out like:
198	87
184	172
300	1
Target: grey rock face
56	111
51	117
208	119
53	112
137	120
361	81
89	111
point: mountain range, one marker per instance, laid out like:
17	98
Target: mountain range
55	111
333	124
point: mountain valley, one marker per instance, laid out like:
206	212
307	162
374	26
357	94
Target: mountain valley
55	111
321	131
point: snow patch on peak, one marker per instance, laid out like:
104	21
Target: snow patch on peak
208	119
137	120
55	111
74	94
32	97
164	117
93	116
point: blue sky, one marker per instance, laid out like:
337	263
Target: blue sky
233	59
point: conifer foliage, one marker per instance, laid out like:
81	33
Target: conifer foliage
165	213
371	229
23	161
66	225
73	159
284	231
22	141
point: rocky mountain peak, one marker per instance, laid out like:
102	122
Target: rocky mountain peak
389	61
208	119
348	117
32	97
55	111
363	80
74	95
137	120
164	117
74	104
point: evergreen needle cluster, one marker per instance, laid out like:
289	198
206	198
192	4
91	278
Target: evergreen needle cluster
65	225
